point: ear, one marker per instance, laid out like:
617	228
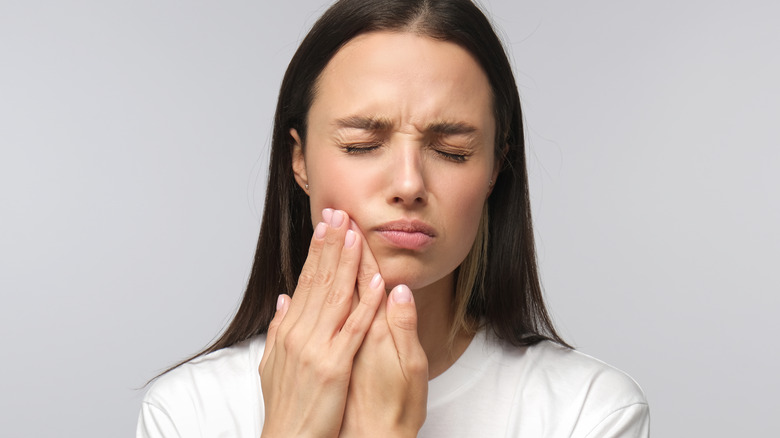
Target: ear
299	161
498	164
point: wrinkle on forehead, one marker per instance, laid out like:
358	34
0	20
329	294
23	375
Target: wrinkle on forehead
383	124
407	83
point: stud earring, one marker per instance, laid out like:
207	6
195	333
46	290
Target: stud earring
307	187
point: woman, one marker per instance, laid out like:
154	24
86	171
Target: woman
398	133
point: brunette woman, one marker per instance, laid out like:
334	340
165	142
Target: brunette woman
395	290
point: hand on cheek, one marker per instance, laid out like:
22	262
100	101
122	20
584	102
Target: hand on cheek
388	388
314	336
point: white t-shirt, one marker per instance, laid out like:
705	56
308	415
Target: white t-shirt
492	390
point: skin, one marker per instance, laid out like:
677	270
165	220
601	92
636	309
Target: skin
401	128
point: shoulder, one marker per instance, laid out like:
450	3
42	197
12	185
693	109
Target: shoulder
544	390
574	372
220	371
220	389
582	393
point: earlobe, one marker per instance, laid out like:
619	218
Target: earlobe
299	161
493	178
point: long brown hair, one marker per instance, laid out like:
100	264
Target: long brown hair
508	298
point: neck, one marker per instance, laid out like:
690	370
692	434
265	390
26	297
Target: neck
435	316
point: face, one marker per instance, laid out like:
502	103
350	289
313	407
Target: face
400	136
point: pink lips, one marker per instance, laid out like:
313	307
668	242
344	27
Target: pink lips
404	234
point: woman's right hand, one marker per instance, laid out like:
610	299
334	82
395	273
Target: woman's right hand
313	338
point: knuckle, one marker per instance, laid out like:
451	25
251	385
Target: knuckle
328	371
314	249
364	277
335	298
306	278
331	237
322	373
368	262
405	321
417	365
290	340
323	277
309	358
352	326
370	299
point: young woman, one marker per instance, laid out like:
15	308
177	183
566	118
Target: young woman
394	290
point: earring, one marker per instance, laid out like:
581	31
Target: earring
307	187
490	183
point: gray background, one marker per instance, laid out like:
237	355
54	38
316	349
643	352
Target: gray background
134	146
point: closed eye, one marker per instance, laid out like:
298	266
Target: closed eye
457	157
359	148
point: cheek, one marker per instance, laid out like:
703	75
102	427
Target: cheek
338	185
465	214
462	210
464	195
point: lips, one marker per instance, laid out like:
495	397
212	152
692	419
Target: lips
407	234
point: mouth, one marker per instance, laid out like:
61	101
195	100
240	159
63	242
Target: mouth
406	234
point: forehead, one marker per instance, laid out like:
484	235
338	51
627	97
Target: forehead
403	77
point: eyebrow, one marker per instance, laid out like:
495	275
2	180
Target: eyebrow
378	124
449	128
365	123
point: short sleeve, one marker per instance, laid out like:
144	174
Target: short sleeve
153	422
629	422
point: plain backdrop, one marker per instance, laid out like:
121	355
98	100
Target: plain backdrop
134	143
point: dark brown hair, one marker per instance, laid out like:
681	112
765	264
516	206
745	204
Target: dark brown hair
509	300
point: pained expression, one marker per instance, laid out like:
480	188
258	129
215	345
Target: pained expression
400	135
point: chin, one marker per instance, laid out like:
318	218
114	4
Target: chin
392	281
395	275
415	279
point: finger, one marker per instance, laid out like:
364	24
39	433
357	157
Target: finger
357	324
402	322
325	276
282	305
368	265
338	300
308	272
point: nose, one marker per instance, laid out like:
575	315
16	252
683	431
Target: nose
407	187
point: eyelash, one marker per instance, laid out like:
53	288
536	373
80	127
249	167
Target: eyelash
458	158
360	148
364	148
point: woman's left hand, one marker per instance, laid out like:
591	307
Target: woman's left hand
388	388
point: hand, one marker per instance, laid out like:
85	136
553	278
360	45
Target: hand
313	338
388	390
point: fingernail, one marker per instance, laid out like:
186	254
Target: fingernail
349	240
326	215
375	281
319	232
279	302
337	219
402	294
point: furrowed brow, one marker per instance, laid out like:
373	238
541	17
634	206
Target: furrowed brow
365	123
447	128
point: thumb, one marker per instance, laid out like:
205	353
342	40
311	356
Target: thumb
402	321
401	311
